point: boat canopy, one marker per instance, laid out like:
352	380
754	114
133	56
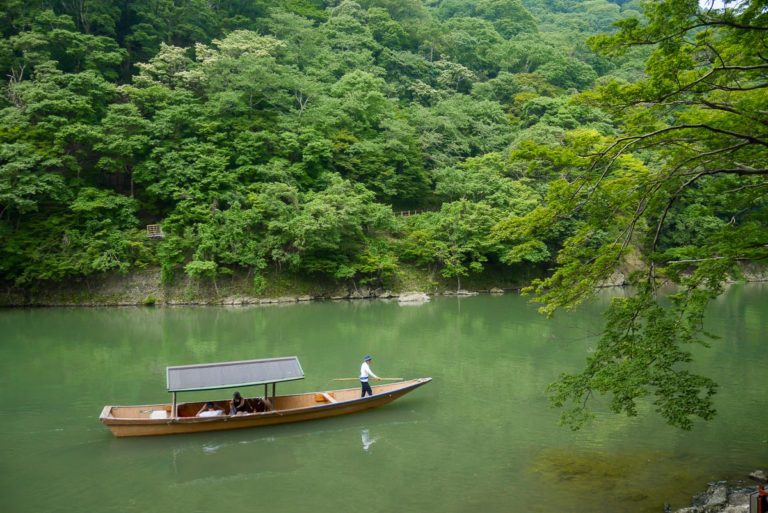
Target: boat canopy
209	376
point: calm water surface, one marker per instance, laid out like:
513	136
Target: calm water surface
480	437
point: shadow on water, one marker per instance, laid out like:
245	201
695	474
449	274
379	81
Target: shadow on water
598	478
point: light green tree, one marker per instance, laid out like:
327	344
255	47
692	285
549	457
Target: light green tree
699	123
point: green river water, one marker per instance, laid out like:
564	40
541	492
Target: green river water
480	437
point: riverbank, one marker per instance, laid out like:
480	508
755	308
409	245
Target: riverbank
146	287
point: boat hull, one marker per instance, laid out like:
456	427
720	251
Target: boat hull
123	426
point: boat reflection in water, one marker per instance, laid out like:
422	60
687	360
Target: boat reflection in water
222	460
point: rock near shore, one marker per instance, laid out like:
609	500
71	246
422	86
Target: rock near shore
413	297
723	497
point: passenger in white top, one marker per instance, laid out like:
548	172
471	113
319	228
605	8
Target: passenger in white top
209	410
365	373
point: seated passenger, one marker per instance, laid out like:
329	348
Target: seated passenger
258	405
209	410
238	405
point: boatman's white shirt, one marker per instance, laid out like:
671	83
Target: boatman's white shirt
365	372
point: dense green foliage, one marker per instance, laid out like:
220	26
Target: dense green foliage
279	133
287	134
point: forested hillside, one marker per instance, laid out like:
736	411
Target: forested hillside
285	134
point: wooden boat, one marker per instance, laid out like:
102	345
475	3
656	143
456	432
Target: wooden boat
176	418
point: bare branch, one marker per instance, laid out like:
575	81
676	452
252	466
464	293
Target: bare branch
663	218
636	138
735	171
709	259
685	30
745	187
737	89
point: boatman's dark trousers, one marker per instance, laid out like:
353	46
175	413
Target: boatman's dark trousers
366	388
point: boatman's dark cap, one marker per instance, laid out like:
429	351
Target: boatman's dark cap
367	358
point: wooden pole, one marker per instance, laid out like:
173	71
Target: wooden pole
355	379
173	406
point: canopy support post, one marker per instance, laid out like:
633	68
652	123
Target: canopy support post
173	406
274	402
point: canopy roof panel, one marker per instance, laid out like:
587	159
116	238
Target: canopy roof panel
209	376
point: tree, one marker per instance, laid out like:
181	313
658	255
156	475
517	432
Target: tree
96	233
460	127
485	179
27	178
454	240
384	29
122	140
239	73
509	16
332	226
699	123
472	42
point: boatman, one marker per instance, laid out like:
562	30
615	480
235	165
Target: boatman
365	373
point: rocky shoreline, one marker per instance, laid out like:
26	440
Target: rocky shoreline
726	497
410	297
146	287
